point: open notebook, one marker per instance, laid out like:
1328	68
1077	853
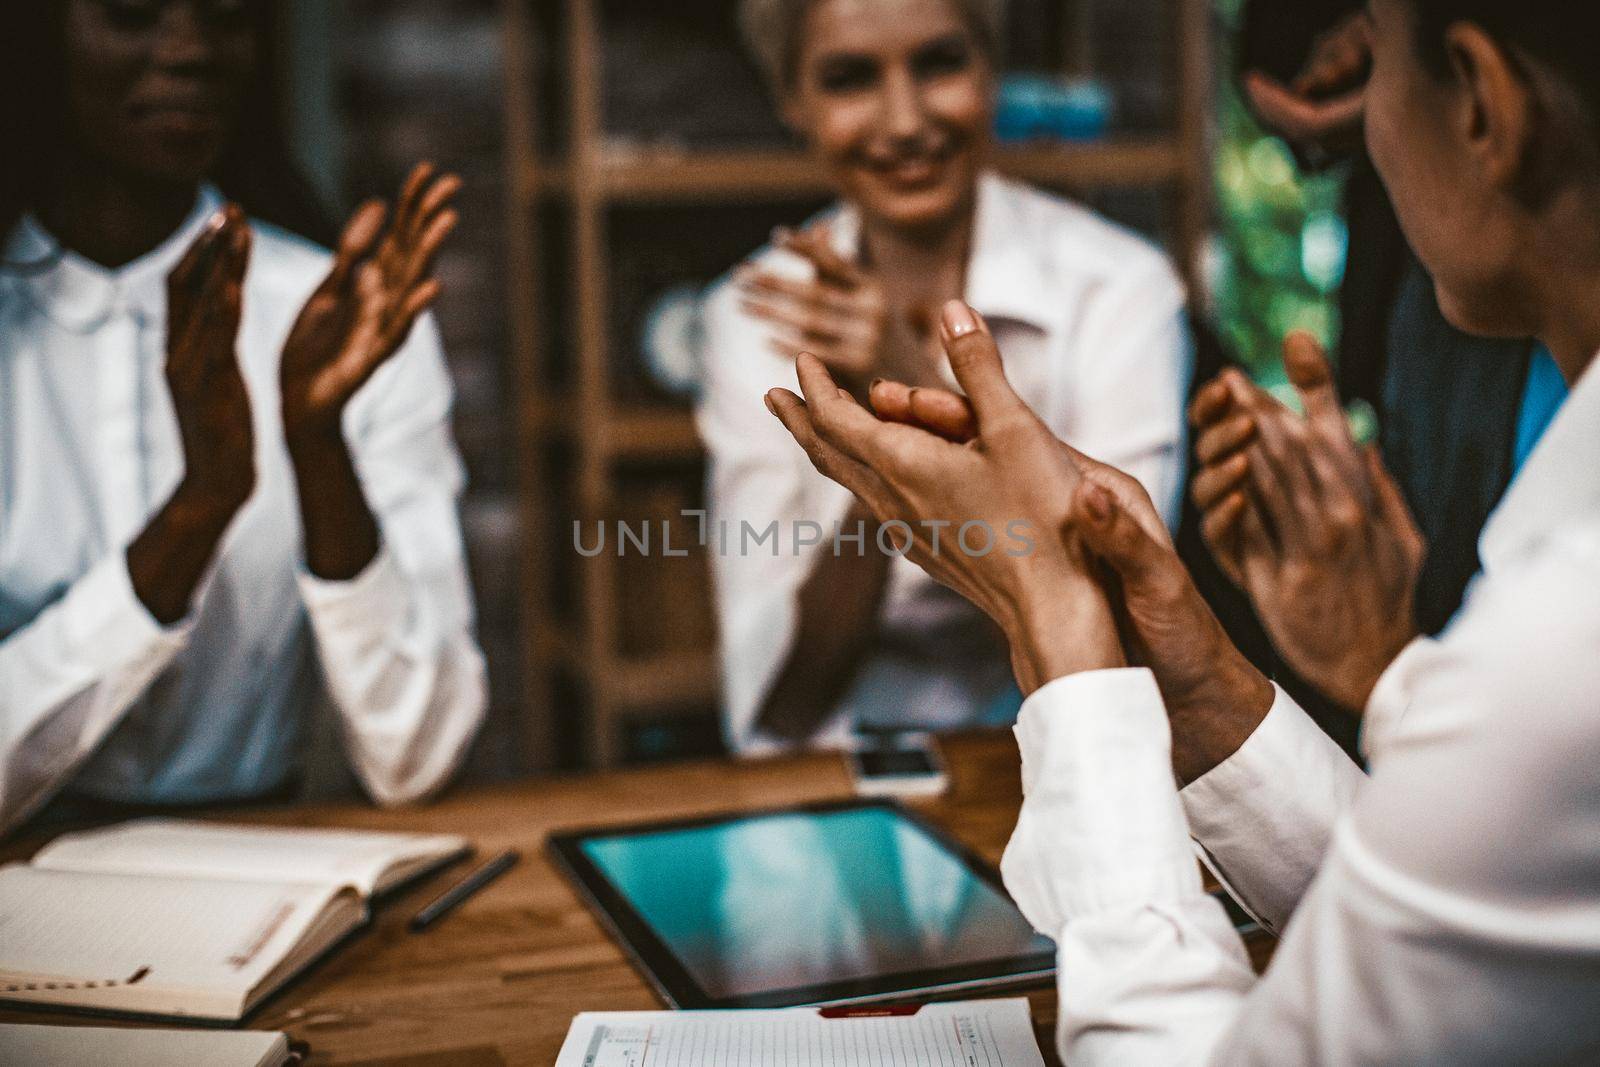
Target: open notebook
974	1033
74	1046
171	918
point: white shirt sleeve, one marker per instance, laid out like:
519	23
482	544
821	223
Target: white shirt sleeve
1149	968
757	477
1454	919
67	678
396	643
1265	815
1133	360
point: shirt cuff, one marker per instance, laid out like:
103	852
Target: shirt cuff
1265	814
1101	827
378	592
103	616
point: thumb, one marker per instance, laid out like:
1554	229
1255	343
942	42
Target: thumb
1307	366
975	360
1116	536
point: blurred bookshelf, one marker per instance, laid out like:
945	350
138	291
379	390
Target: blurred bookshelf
616	641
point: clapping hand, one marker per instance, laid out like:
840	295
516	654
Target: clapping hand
1011	476
205	298
205	295
842	316
1322	109
1309	525
361	314
1213	695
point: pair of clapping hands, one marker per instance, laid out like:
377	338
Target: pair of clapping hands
381	280
1102	585
1309	524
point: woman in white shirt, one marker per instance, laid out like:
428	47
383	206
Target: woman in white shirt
227	482
822	631
1446	908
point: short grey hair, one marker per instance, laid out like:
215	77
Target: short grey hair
772	28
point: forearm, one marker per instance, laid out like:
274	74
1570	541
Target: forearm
838	615
341	534
1059	629
404	672
171	555
67	678
1101	862
1211	724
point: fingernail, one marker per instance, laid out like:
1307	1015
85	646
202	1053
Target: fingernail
766	398
875	383
844	394
959	319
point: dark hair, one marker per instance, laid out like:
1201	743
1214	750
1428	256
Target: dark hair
1560	34
257	170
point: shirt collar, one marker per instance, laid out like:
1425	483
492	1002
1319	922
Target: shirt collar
81	295
1004	278
1558	483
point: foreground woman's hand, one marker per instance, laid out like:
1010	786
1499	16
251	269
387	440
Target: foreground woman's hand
984	517
1309	525
1214	697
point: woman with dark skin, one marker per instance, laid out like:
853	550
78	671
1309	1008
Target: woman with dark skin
264	370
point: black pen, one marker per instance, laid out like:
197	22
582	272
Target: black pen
450	898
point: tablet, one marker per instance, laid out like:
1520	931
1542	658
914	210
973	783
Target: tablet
833	903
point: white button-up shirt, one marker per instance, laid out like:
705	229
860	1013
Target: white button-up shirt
1444	911
1090	320
94	694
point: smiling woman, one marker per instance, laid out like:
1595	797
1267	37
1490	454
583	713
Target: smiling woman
828	633
835	65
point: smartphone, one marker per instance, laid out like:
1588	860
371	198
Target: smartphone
901	765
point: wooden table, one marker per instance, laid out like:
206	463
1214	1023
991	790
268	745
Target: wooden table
498	981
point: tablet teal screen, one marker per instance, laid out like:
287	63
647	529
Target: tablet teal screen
793	900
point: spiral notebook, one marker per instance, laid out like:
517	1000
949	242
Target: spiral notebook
185	919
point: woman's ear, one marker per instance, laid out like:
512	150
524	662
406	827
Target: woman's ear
1499	109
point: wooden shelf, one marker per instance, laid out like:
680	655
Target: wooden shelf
673	679
603	172
643	684
630	430
670	176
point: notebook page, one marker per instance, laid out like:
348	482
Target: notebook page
148	944
988	1033
175	847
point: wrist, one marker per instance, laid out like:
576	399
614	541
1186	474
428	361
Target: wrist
1213	720
1065	628
312	436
